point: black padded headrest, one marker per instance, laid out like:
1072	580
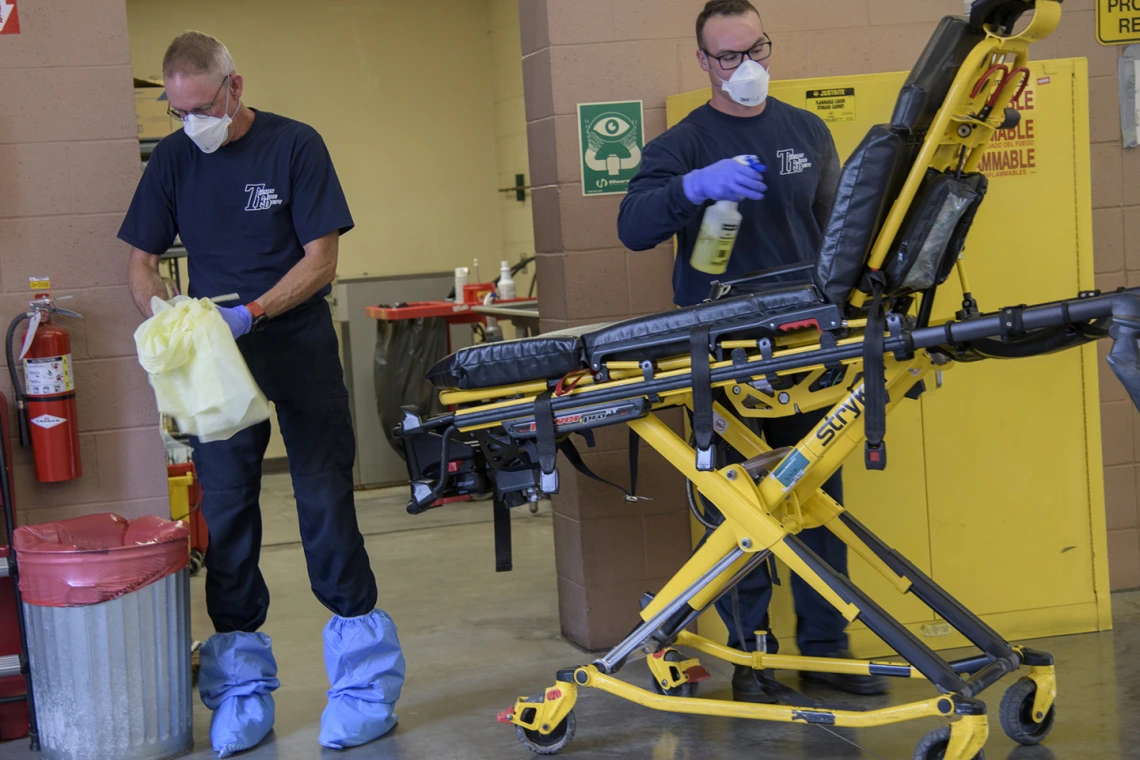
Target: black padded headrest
929	82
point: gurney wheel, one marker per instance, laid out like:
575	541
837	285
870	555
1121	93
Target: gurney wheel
684	690
552	743
1017	714
933	746
196	560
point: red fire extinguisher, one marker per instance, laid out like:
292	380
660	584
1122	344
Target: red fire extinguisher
45	395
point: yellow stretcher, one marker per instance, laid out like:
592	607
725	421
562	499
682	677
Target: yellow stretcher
856	337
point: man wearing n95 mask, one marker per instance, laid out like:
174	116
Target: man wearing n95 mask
257	203
783	206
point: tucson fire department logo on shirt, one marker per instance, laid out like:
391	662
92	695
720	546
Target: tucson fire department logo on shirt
792	162
261	197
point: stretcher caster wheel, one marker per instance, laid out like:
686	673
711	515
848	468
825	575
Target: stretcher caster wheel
688	689
196	560
933	746
1017	714
552	743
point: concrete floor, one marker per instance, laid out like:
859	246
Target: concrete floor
475	640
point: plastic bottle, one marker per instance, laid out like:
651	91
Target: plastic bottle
506	284
719	228
460	281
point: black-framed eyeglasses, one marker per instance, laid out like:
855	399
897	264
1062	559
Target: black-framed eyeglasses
732	59
202	111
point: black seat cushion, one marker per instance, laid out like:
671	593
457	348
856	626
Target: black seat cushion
508	362
751	316
868	185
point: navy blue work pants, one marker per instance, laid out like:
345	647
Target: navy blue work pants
819	626
296	362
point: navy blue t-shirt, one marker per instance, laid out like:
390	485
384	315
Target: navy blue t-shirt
784	228
245	211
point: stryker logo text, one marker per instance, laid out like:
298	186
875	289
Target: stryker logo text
832	425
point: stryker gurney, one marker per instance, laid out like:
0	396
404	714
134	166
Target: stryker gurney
855	336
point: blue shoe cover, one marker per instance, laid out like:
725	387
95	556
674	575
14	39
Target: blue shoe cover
366	669
237	677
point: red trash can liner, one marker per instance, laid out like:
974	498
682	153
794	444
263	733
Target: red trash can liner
96	558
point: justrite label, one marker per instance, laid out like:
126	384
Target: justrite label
47	421
48	376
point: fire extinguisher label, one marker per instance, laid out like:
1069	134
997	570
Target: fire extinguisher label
48	376
47	421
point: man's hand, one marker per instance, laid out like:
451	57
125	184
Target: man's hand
726	180
238	319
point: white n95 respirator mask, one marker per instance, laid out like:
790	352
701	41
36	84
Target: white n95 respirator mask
748	85
209	132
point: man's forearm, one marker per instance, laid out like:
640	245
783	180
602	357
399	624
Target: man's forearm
305	279
144	282
650	216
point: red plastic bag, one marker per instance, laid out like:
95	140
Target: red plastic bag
96	558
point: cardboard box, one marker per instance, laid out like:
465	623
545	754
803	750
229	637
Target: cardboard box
154	122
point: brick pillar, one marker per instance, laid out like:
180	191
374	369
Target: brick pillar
69	162
577	51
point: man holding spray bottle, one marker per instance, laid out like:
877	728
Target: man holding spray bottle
770	170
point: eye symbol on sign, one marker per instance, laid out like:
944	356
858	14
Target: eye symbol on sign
611	135
612	127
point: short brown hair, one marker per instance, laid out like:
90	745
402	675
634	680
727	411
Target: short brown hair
197	53
721	8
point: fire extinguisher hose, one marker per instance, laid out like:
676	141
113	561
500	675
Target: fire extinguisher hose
17	385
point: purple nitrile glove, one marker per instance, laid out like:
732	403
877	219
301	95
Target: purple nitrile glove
238	319
726	180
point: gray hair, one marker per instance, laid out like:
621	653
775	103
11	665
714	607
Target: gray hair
197	53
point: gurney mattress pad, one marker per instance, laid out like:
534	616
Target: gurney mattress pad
554	355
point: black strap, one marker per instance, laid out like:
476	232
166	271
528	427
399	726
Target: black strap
544	429
874	378
503	563
575	459
634	448
547	444
702	397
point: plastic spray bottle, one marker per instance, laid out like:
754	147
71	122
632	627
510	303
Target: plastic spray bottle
506	284
719	227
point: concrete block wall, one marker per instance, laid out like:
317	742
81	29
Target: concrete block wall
578	51
69	162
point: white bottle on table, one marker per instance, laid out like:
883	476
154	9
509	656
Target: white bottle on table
460	281
506	284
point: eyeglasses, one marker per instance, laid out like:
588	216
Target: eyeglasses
732	59
201	112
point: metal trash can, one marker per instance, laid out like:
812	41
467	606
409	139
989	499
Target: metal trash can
107	605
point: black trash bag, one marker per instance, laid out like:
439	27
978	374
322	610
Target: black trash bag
405	351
